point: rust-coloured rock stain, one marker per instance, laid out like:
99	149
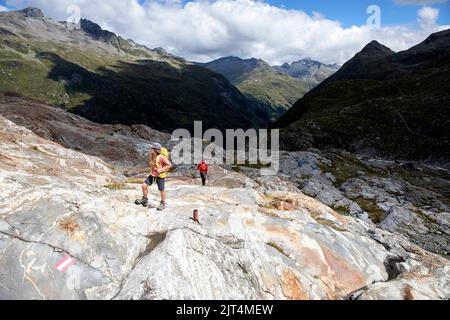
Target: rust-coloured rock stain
346	277
292	287
408	295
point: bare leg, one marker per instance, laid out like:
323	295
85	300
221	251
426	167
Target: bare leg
145	190
163	196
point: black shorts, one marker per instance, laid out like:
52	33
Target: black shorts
159	181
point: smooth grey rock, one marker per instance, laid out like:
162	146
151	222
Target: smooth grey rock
251	243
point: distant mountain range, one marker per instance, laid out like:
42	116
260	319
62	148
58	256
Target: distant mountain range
108	79
381	103
277	88
308	70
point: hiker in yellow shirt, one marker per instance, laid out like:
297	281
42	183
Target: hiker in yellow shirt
159	169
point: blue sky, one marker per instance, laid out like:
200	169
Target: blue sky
353	12
277	31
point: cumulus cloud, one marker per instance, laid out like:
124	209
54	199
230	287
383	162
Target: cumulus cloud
204	30
427	17
3	8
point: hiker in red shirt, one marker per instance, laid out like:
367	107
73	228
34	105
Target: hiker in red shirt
203	168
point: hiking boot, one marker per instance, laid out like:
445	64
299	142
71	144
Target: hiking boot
161	207
143	202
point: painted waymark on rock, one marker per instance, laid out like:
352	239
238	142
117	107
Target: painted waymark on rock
64	264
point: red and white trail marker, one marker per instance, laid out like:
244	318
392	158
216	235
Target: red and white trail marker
64	264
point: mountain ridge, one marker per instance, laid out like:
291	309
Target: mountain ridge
308	69
101	76
390	104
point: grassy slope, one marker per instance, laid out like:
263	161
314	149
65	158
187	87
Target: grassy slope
22	71
276	91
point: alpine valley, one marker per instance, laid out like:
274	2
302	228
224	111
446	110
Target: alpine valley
275	89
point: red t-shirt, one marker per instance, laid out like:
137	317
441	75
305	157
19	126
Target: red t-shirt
203	168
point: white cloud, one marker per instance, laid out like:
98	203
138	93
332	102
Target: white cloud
427	17
3	8
203	30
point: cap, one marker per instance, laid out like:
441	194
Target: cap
157	146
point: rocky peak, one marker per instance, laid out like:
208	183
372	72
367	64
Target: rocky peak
303	61
308	69
95	31
369	63
259	63
309	63
233	68
31	12
375	49
160	50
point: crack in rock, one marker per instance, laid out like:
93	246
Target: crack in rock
56	249
393	271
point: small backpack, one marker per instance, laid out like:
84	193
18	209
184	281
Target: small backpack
163	152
